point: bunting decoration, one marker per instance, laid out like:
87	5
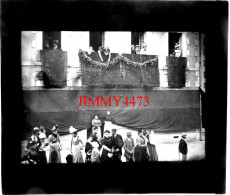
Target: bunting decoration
83	55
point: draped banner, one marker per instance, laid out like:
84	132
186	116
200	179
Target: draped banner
54	67
176	71
112	75
125	71
168	110
150	73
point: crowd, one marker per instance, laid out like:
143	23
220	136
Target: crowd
98	149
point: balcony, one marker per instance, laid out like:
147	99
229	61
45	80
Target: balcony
123	70
130	70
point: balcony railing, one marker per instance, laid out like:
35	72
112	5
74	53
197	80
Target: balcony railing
122	70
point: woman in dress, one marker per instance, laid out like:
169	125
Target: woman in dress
76	146
42	149
140	151
55	145
95	157
106	148
150	138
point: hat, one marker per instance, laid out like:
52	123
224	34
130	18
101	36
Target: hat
41	127
55	41
35	130
72	129
95	144
139	131
54	128
183	135
42	136
114	130
106	131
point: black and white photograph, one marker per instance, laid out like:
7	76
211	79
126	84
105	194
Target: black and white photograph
114	97
138	95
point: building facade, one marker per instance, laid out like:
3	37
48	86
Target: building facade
191	46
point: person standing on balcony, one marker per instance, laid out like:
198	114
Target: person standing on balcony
47	46
104	54
137	49
143	49
133	49
56	45
91	51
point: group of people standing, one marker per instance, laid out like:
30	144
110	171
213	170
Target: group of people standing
98	149
109	148
136	49
38	144
103	53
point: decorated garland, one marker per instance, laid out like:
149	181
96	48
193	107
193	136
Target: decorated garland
83	55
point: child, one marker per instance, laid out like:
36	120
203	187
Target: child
95	156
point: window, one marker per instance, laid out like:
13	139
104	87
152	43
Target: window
174	43
96	39
137	38
50	36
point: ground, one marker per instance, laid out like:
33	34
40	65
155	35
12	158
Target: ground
167	151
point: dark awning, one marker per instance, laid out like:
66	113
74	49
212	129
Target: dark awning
168	110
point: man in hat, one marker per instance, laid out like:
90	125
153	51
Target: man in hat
117	143
34	140
96	123
129	147
183	149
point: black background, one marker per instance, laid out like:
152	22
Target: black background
206	176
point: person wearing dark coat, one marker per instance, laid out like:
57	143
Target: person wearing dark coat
88	149
183	148
34	141
140	151
31	157
151	148
118	143
106	148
